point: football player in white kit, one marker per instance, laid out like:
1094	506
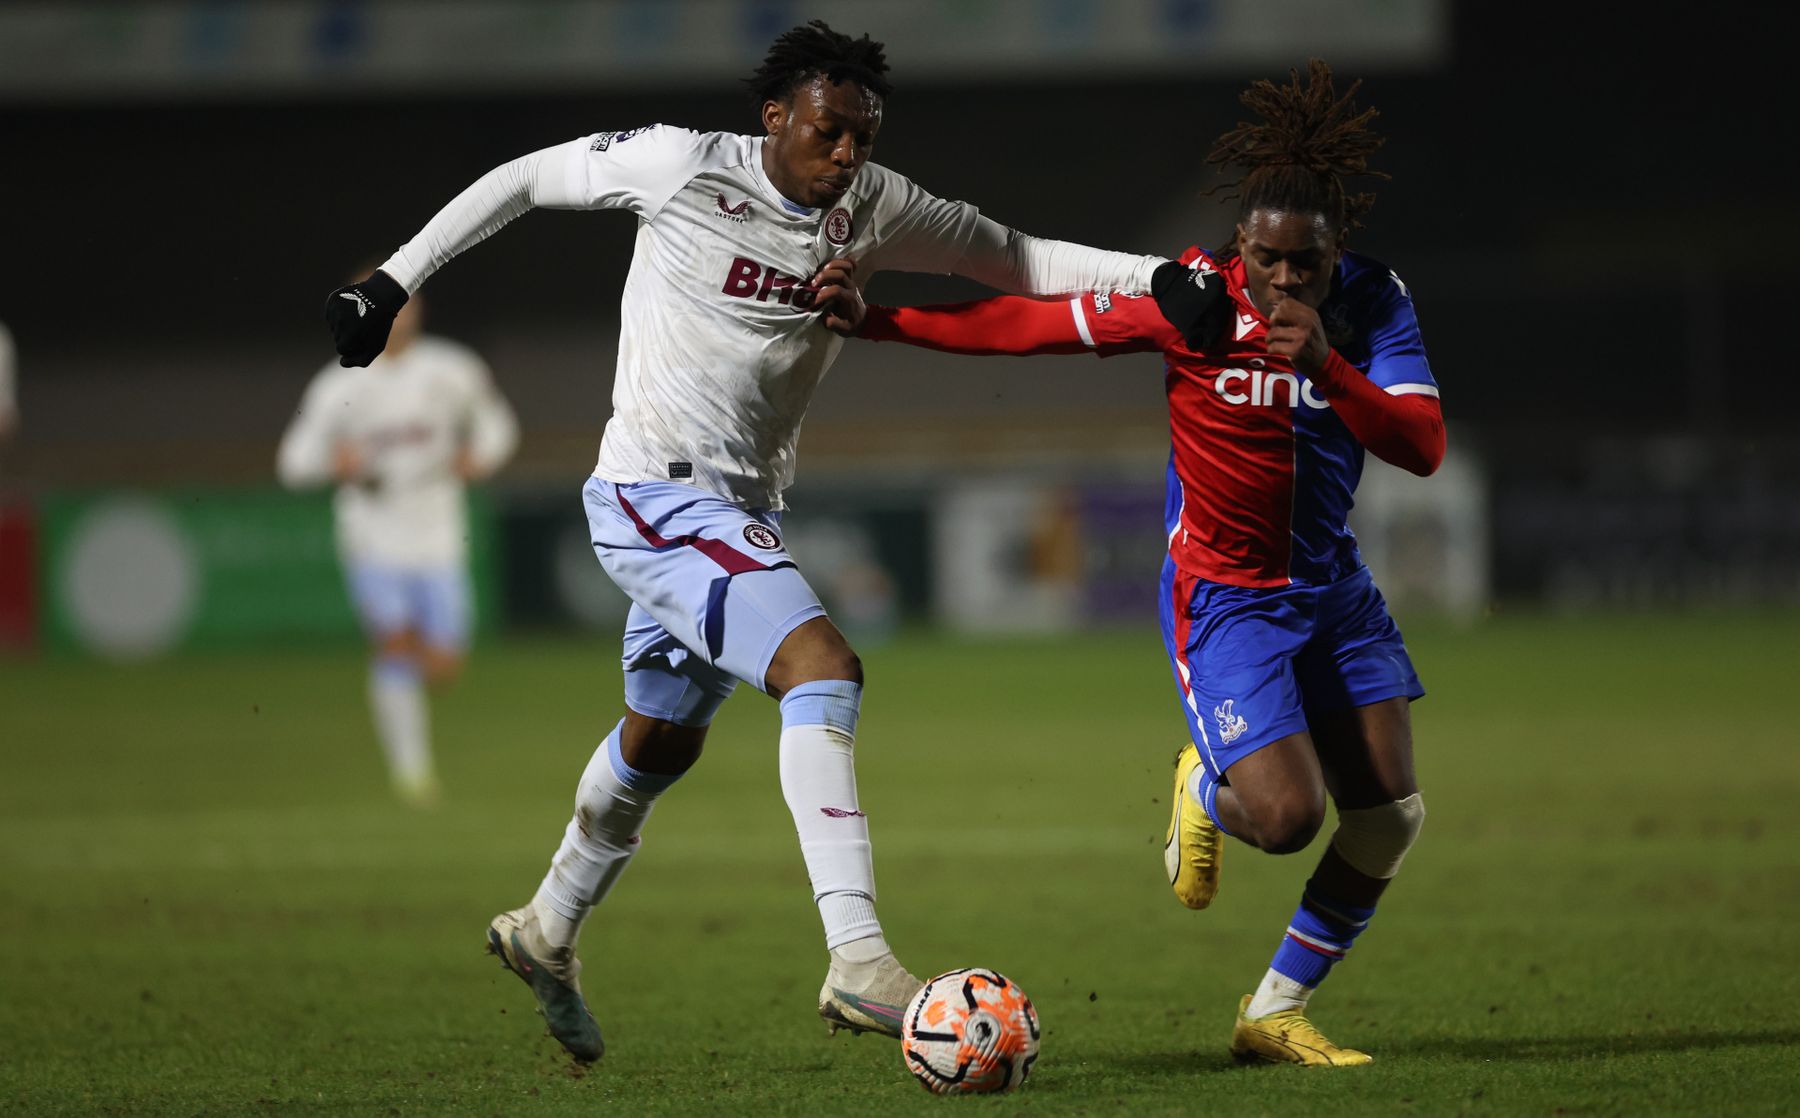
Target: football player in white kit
728	321
399	439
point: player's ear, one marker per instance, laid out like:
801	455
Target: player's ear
1238	238
774	116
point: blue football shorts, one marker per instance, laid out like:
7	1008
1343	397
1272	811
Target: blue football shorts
713	591
1251	664
434	602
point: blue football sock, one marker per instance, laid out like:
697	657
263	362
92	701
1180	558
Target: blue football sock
1320	934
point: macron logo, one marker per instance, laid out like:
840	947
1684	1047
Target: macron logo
362	304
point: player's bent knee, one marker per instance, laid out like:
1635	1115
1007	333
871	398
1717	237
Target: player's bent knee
813	652
1290	829
1374	840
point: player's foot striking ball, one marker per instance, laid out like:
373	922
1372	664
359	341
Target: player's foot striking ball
751	252
554	976
866	996
1287	1037
1194	846
970	1032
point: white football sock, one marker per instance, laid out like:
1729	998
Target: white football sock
1277	994
818	779
402	718
610	808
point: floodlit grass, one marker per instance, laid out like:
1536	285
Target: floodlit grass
210	905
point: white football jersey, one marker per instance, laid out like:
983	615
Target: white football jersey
719	350
408	416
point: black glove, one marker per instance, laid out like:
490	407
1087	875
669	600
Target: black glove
361	315
1194	302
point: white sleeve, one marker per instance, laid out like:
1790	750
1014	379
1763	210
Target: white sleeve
638	170
493	431
305	456
915	231
1018	264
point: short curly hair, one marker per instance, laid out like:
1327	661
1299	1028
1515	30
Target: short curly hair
816	51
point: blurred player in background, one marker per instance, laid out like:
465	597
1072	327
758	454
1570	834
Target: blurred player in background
1287	356
9	386
728	318
400	439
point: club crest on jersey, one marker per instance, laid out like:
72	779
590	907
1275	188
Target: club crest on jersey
739	213
1338	330
762	537
1231	724
838	229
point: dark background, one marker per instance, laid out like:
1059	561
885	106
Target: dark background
1591	206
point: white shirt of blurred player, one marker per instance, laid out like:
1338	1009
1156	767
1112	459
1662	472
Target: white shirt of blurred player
717	363
9	400
407	416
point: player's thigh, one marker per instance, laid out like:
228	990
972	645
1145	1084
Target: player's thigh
1281	788
1359	681
1232	650
383	603
444	612
714	577
1367	753
667	685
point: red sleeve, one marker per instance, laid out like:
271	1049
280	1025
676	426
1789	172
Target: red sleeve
1010	324
1407	431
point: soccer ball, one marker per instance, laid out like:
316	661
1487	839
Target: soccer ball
969	1032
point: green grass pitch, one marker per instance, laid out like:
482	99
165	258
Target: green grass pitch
210	906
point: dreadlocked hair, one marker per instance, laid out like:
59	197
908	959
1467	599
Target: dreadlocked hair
1296	159
813	51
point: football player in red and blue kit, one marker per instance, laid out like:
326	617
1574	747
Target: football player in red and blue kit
1287	357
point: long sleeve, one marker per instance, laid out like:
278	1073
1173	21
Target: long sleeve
638	170
305	457
1004	325
1020	264
1406	429
493	200
493	431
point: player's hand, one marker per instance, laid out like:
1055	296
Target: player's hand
1296	333
1194	302
346	463
839	302
360	317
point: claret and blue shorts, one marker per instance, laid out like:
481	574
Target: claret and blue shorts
713	591
1251	664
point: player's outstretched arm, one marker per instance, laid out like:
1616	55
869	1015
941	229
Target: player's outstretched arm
1006	325
361	314
1021	264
